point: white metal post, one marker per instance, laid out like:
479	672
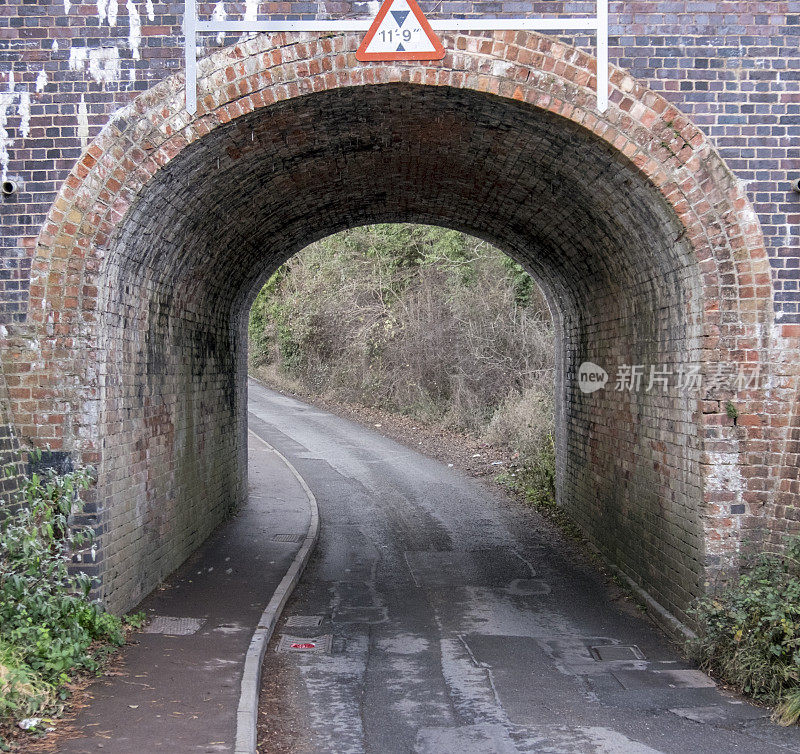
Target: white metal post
602	55
190	54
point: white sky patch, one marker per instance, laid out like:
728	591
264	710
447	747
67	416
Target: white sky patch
24	112
83	123
41	81
151	13
220	15
135	33
113	10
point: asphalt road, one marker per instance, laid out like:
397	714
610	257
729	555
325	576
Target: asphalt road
453	619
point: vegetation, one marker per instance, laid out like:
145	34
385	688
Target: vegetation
415	319
749	633
49	626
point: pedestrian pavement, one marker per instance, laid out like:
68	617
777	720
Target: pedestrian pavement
176	687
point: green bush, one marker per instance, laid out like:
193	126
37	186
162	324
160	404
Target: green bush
48	623
535	478
22	691
749	633
539	473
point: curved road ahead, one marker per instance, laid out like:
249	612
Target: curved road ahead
452	619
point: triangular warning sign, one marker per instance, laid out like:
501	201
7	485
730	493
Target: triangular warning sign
400	31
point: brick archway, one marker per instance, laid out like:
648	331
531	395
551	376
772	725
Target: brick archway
647	246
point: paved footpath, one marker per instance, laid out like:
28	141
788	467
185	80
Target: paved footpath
177	689
438	616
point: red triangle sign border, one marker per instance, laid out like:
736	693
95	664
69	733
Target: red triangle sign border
436	54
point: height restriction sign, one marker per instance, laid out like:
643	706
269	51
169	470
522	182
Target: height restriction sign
400	31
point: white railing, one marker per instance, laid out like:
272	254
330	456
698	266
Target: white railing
192	26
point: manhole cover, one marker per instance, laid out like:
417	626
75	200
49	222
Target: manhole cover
303	621
606	652
634	680
318	644
289	537
164	624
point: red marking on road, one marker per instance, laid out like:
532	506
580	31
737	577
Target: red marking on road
305	645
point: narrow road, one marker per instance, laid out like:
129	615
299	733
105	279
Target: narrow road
440	617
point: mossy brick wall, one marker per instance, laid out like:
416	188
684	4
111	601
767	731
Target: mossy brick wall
664	232
11	462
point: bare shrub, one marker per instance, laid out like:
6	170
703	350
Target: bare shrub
415	319
524	421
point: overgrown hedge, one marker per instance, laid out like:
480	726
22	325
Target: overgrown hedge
416	319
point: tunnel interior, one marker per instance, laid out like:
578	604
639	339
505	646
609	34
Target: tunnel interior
204	234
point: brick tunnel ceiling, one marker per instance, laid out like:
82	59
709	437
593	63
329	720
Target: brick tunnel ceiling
230	208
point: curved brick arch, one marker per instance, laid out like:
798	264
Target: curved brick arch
674	154
730	282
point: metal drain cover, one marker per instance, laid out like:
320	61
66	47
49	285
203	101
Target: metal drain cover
606	652
289	537
303	621
165	624
317	644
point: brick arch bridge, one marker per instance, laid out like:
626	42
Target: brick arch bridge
644	242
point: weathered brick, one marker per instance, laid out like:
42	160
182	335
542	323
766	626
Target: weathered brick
128	309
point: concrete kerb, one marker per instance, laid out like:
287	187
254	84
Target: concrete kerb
247	713
670	624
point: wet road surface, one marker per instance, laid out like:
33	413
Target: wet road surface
439	616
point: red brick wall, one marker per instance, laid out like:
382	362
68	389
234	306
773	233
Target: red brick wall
731	65
125	349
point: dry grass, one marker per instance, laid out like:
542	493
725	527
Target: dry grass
524	421
423	322
22	692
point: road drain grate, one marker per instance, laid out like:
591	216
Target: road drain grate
317	644
610	652
303	621
165	624
289	537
